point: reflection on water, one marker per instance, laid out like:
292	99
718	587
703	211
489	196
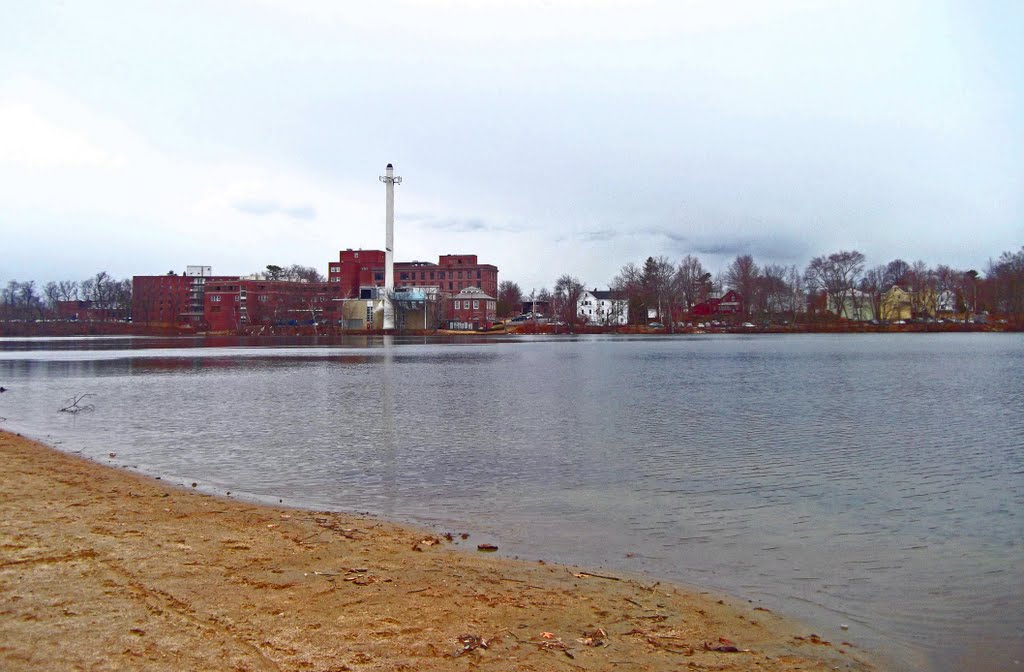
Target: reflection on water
872	480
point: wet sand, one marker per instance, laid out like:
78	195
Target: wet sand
103	569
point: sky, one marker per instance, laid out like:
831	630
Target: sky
545	136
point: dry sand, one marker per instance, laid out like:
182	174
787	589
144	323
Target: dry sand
102	569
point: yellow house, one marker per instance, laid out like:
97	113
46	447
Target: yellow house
897	304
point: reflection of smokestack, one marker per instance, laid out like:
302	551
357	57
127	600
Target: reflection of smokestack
389	181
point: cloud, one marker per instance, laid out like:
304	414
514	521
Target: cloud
599	235
458	224
304	212
261	207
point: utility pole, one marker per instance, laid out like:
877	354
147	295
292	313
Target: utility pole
389	181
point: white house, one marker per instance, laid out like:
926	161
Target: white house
607	308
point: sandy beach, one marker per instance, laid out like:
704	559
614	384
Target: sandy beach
101	569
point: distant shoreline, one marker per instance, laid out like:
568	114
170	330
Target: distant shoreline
32	329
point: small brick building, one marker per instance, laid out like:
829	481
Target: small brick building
471	309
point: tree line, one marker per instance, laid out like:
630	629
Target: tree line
27	301
660	288
663	291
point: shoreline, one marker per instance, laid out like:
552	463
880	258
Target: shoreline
104	568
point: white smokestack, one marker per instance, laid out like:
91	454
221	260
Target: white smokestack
389	181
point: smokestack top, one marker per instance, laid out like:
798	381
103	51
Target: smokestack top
390	167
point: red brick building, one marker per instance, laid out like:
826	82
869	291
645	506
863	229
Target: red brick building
202	301
171	300
471	309
452	273
233	303
355	269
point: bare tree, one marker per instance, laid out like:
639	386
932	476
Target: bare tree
300	273
797	301
873	284
691	279
629	283
1006	277
68	290
949	284
20	301
896	272
52	293
656	282
774	291
568	289
742	276
837	275
545	297
510	298
921	282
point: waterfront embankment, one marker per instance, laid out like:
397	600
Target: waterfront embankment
101	568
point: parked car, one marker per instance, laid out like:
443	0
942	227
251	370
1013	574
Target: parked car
656	325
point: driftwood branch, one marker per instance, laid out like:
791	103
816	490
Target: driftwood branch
75	405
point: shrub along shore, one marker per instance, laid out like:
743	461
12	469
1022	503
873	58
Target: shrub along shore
101	568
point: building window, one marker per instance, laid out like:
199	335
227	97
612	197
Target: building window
378	277
442	275
431	275
403	276
335	269
478	274
215	297
460	275
457	305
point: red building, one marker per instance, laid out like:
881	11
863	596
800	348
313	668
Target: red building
355	269
729	303
202	301
471	309
452	273
171	300
233	303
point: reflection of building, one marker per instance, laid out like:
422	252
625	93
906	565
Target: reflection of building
471	309
605	308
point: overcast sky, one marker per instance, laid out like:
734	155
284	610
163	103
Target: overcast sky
545	136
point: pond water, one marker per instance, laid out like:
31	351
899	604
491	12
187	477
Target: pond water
872	480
